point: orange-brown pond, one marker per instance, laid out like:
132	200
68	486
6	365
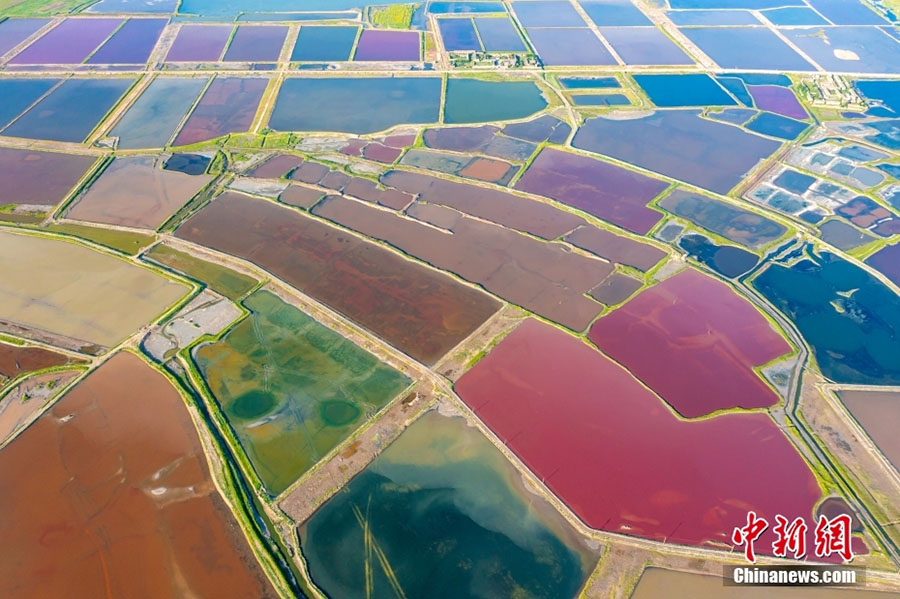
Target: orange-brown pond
108	494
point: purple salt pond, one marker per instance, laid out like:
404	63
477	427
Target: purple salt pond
70	42
132	44
199	43
256	43
388	45
607	191
777	99
15	31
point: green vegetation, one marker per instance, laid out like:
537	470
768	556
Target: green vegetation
396	16
229	283
124	241
291	388
33	8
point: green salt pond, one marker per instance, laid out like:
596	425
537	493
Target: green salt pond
476	101
291	388
447	517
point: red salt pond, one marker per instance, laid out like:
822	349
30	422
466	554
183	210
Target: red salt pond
616	454
607	191
694	341
109	494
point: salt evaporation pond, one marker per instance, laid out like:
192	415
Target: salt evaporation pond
151	121
878	413
692	331
735	224
382	45
71	111
442	499
418	310
199	43
849	318
605	190
70	42
619	457
324	44
355	105
477	101
692	89
36	178
122	501
727	260
498	35
228	106
131	44
19	94
755	48
256	43
645	46
679	144
15	31
232	8
291	388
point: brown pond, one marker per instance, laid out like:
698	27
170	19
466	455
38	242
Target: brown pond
878	412
17	359
36	178
616	248
656	583
522	214
108	494
546	278
135	192
417	310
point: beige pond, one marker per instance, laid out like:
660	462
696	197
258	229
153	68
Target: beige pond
135	192
656	583
67	289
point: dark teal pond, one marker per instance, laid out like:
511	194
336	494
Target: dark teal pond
476	101
850	319
447	518
727	260
355	105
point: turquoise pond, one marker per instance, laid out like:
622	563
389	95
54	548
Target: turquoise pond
443	500
324	44
476	101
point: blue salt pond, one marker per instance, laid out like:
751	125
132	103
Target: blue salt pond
19	94
152	119
499	35
694	89
355	105
71	111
